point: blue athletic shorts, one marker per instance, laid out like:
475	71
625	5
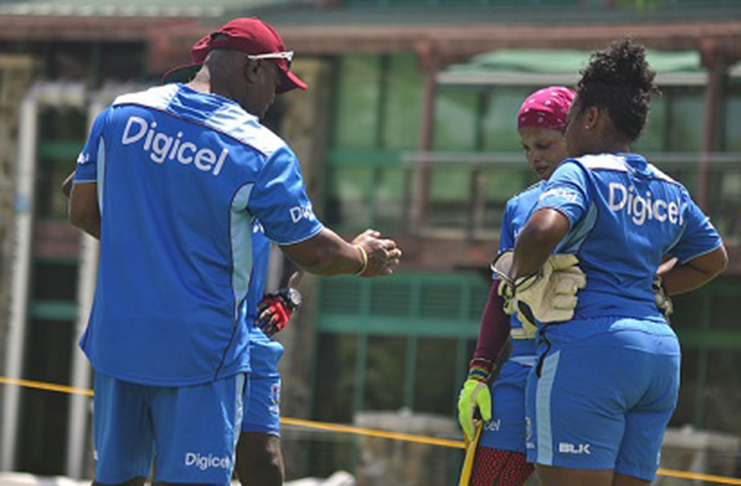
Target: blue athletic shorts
262	414
506	430
193	430
262	408
604	395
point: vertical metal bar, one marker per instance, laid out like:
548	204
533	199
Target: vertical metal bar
81	372
702	361
384	68
24	215
428	62
96	56
461	361
713	59
376	178
410	368
361	355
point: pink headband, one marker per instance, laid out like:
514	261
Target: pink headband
546	108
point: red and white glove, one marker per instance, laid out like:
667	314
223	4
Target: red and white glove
276	309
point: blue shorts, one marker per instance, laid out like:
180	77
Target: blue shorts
604	395
193	430
506	430
262	407
262	414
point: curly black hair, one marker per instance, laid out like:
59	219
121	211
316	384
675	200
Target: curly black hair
620	80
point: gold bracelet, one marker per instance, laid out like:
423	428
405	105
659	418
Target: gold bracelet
364	257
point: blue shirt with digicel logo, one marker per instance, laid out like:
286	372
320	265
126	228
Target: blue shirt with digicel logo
181	177
516	213
625	215
264	352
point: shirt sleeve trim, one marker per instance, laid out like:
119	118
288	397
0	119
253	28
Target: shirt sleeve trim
304	238
698	255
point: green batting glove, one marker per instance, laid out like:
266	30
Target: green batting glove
475	395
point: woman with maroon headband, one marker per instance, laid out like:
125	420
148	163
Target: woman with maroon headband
500	455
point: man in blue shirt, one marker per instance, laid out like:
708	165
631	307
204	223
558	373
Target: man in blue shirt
607	380
171	181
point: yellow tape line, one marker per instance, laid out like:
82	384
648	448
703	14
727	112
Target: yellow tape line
382	434
46	386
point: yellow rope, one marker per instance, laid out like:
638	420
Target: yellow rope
382	434
46	386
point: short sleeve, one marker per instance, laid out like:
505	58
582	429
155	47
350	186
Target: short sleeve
506	233
566	192
87	161
698	237
280	202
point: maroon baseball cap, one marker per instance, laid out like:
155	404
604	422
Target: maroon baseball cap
249	35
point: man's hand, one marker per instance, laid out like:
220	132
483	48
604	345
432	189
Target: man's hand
380	255
548	295
474	396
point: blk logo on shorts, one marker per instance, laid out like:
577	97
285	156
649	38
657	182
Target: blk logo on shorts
567	448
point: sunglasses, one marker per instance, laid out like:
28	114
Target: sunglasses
287	55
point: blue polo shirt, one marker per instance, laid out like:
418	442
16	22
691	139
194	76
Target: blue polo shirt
181	177
625	216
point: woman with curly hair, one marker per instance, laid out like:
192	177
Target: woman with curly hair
606	381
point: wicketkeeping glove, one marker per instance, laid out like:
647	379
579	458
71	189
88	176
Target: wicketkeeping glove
663	301
548	295
475	395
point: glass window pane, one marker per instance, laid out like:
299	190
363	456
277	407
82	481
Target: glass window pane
686	112
654	135
55	281
384	385
436	363
61	139
403	109
389	200
686	411
733	120
357	101
723	393
348	198
688	310
725	306
455	120
499	123
448	196
335	377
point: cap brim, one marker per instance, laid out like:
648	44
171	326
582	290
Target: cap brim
181	74
290	82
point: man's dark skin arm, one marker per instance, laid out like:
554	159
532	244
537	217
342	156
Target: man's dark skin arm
324	254
83	208
327	254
